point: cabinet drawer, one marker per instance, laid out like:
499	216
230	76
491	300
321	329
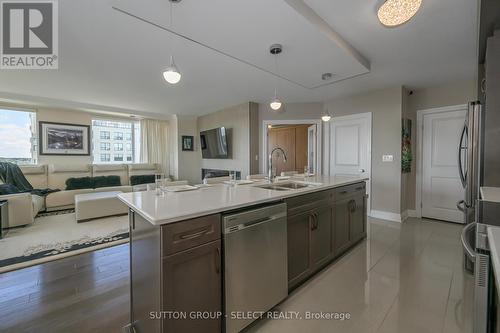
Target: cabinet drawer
302	203
348	191
190	233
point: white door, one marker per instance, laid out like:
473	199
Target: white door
311	148
441	186
350	146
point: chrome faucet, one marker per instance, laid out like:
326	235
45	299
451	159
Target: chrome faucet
270	164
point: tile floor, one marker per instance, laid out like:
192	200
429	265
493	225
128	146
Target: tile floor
404	278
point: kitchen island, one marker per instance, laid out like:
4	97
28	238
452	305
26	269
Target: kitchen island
178	249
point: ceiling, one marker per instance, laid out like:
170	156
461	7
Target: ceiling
112	53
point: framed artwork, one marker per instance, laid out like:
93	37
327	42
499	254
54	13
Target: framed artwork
406	154
187	143
64	139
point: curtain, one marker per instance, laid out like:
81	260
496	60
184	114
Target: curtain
154	143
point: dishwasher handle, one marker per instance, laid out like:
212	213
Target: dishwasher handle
469	251
253	223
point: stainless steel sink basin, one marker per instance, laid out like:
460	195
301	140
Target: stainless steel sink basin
283	186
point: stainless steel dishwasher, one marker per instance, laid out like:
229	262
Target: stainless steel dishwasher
255	263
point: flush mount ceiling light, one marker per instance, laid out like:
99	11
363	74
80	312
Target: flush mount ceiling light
275	104
172	74
396	12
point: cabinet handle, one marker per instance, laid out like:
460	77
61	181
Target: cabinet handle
195	235
343	192
217	256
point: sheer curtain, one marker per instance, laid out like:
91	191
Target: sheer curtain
154	143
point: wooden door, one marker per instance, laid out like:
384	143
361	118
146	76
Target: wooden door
341	236
321	237
441	186
299	244
192	281
283	137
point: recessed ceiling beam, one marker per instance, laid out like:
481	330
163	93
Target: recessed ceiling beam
310	15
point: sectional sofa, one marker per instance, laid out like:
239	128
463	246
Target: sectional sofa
24	207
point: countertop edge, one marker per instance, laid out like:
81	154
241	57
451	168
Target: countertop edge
495	253
285	195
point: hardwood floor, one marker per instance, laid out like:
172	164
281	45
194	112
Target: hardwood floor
84	293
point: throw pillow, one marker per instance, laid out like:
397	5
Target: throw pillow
142	179
8	189
79	183
106	181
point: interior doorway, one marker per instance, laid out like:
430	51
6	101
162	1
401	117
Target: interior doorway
301	141
350	147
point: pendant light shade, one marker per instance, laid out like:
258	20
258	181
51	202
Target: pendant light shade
275	104
326	117
396	12
172	74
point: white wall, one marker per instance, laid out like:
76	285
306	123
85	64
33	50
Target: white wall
237	120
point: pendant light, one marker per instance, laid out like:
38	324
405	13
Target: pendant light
326	117
396	12
172	74
275	102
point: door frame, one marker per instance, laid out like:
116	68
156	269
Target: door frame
419	153
319	133
368	116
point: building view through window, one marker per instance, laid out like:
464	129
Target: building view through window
18	140
115	141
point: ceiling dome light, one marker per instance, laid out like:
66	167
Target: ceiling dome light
326	117
172	74
396	12
275	104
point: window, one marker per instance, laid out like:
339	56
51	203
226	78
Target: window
18	143
105	135
105	146
115	136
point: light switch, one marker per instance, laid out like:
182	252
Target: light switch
387	158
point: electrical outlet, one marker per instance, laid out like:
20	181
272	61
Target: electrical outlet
387	158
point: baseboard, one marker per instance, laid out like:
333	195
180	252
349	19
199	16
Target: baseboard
412	213
378	214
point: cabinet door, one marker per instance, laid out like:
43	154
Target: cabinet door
341	234
192	282
321	237
358	218
299	244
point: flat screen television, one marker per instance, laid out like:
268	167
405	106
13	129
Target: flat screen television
214	143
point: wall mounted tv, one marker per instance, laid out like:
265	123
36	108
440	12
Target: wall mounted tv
214	143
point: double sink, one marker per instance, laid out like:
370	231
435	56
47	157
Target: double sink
285	186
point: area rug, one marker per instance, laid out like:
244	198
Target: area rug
55	236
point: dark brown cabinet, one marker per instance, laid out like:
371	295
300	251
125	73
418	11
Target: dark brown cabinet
192	284
176	269
321	227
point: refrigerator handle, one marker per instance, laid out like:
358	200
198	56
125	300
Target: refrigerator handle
460	148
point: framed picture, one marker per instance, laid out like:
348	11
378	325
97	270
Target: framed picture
64	139
187	143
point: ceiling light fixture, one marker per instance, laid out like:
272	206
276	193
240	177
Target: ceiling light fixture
396	12
172	74
326	117
276	103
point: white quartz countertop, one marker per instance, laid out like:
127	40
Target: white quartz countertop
177	206
494	243
490	194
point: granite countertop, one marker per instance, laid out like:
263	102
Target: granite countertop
177	206
491	194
